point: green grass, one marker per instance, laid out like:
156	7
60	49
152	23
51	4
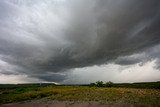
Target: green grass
82	93
146	85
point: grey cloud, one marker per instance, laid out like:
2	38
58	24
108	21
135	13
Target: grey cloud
132	59
50	36
50	77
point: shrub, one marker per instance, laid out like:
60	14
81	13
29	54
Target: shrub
109	84
99	84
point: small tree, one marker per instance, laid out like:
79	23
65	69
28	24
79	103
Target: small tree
99	83
109	84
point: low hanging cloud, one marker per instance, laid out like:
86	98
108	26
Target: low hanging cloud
115	73
45	38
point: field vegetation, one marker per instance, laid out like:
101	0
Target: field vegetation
98	91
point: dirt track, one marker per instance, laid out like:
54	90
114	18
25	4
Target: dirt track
53	103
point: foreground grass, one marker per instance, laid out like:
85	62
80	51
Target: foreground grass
82	93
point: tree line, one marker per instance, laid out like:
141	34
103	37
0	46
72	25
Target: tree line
101	84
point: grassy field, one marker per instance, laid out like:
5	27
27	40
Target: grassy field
80	93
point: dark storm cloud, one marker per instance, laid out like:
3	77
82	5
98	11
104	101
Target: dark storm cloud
132	59
49	36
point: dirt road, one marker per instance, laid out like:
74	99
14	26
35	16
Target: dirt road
53	103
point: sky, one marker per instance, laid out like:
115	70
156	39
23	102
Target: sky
79	41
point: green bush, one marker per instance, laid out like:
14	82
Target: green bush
109	84
99	84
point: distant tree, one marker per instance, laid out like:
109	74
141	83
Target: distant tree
109	84
99	83
92	84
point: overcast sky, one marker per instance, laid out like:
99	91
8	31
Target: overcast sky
79	41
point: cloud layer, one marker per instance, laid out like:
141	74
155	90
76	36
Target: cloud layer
44	39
